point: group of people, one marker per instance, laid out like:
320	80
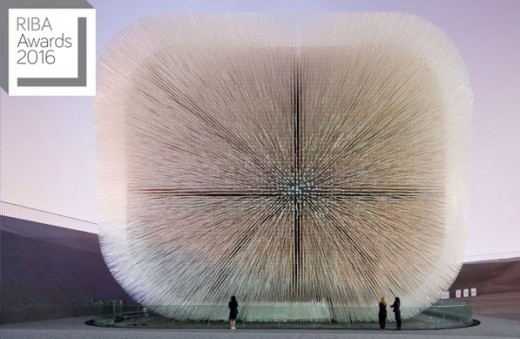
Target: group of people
382	313
233	312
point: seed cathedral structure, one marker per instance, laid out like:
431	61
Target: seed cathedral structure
307	164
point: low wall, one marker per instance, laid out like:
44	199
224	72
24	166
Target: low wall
50	272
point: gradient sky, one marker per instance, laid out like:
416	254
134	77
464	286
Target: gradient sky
47	146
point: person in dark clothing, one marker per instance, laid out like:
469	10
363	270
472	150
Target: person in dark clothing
397	310
382	313
233	312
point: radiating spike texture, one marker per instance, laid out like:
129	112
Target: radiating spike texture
307	164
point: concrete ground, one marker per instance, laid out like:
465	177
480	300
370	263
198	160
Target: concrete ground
499	315
75	328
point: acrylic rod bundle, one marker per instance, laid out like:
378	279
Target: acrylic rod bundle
307	164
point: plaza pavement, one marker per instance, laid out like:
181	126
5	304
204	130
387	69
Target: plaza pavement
75	328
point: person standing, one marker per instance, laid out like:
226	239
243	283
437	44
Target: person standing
382	313
397	310
233	312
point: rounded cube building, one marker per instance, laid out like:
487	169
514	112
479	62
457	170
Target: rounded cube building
307	164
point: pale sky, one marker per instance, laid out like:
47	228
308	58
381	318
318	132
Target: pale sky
47	145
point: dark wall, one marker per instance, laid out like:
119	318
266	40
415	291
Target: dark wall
50	272
491	277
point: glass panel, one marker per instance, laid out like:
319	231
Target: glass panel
443	314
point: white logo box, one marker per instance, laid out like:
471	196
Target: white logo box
51	50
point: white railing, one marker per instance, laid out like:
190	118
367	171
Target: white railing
32	214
